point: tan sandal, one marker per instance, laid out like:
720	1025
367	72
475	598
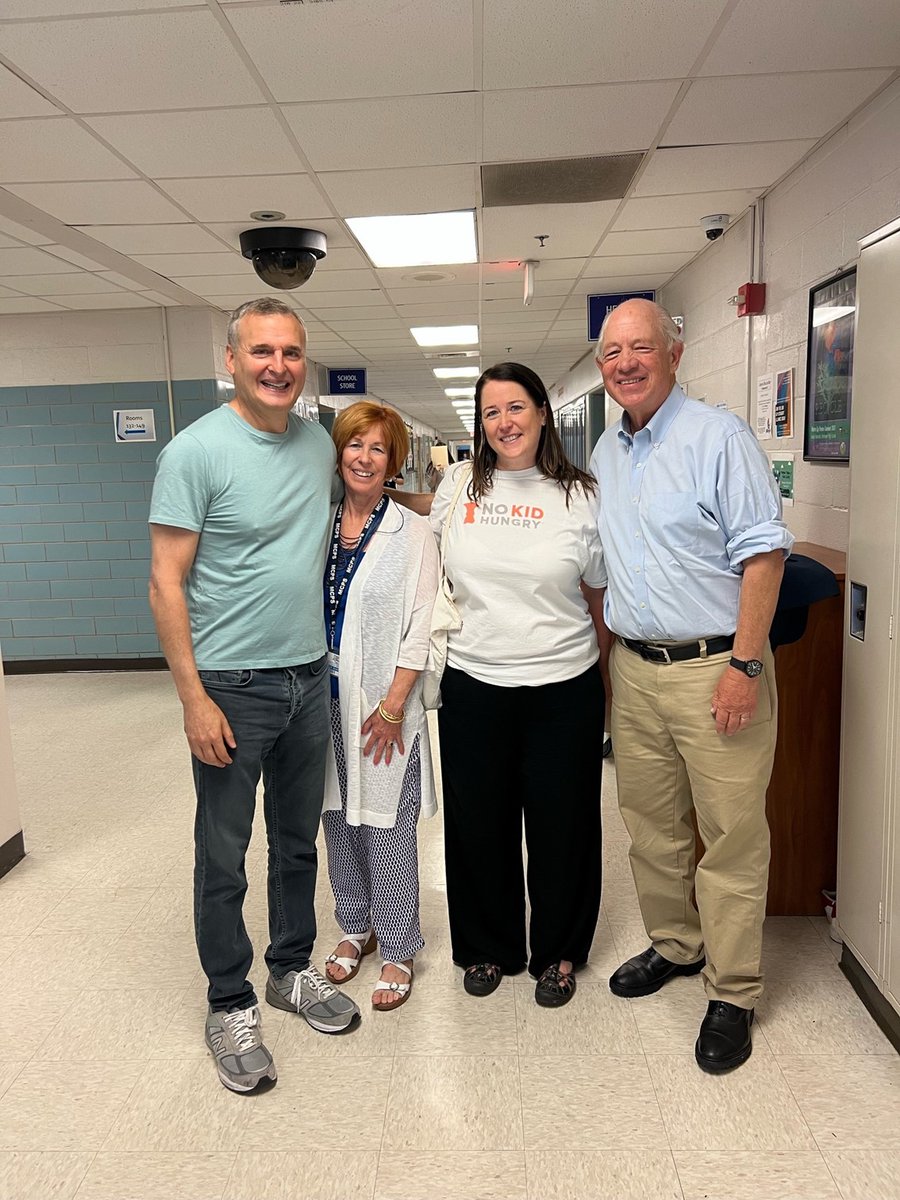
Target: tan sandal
364	943
401	989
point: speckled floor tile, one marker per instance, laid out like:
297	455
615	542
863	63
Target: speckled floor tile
865	1174
605	1102
275	1175
453	1175
601	1175
454	1103
755	1175
851	1102
161	1176
52	1107
593	1022
751	1108
41	1175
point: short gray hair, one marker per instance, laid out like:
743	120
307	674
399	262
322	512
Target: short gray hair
668	330
264	306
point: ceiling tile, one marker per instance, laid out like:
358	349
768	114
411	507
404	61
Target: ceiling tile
340	258
74	258
405	277
246	284
322	301
404	131
235	198
556	122
22	233
191	264
154	239
27	259
770	36
28	304
436	294
673	212
158	60
54	148
110	203
401	190
60	285
527	44
356	48
610	266
116	279
119	300
19	99
246	141
336	281
67	8
573	229
654	241
335	231
706	168
748	109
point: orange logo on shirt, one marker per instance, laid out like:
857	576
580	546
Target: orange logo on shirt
471	505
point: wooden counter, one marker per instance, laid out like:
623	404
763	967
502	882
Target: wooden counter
802	800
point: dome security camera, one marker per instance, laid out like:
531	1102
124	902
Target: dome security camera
714	226
282	256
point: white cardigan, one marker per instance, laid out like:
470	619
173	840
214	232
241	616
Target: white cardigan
387	624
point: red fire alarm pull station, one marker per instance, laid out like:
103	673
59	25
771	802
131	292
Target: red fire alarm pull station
751	299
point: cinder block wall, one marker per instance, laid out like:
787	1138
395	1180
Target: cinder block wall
74	546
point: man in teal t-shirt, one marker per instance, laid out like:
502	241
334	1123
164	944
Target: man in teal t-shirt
238	527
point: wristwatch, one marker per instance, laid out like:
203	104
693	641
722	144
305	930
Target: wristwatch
751	667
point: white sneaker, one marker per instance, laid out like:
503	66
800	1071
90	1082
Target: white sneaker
314	998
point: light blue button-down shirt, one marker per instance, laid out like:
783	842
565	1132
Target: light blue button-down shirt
683	503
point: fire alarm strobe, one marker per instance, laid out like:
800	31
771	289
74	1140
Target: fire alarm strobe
751	299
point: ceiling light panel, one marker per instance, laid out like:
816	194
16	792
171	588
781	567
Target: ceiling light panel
418	239
446	335
456	372
459	391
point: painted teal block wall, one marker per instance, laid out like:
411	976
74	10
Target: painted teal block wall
74	545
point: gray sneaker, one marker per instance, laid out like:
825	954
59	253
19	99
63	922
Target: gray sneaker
235	1042
313	997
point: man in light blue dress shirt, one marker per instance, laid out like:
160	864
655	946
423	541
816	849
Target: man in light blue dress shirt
694	542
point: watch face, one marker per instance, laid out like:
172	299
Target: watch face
754	667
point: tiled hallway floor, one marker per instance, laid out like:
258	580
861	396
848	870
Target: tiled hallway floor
107	1093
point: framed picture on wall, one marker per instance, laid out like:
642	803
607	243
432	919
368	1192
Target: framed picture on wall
829	370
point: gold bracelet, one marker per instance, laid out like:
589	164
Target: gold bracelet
390	717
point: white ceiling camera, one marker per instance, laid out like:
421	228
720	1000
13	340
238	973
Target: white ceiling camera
283	257
714	226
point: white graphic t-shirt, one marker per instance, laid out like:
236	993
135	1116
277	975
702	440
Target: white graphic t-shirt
516	559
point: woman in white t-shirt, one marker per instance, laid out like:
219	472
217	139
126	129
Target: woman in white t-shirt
522	698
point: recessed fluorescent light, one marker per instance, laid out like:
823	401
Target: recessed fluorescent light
446	335
459	391
456	372
418	240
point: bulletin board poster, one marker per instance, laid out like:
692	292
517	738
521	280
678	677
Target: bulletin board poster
829	385
784	403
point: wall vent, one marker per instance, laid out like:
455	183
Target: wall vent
559	180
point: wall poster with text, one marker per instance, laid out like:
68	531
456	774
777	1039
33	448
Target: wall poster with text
829	379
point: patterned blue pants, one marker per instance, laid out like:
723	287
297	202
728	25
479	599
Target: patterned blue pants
374	872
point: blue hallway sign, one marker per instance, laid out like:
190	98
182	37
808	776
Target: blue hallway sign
347	381
599	306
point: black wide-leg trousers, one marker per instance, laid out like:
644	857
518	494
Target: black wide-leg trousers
508	754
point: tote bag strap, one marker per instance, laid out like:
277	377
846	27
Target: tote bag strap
465	474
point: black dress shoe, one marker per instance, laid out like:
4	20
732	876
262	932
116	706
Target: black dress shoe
646	973
724	1041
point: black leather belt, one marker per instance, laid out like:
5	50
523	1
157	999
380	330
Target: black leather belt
681	653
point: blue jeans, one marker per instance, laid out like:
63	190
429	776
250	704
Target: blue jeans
279	718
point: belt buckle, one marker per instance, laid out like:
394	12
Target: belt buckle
658	654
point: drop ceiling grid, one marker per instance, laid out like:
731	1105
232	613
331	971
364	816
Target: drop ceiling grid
405	130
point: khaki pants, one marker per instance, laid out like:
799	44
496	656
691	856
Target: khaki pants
669	759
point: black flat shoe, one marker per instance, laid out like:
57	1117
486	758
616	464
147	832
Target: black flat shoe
646	973
482	979
724	1042
554	988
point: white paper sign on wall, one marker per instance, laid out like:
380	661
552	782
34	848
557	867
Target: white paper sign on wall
134	424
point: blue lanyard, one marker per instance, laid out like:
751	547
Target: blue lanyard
336	590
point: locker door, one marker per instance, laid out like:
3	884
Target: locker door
866	853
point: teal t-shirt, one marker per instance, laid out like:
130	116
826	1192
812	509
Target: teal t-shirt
260	502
